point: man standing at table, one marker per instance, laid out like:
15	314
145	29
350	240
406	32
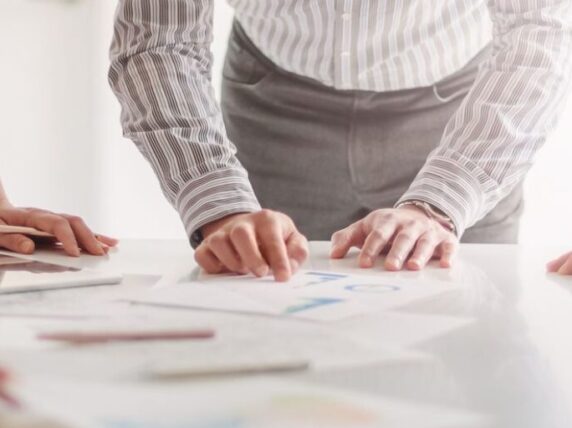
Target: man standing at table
412	122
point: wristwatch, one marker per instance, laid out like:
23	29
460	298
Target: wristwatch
196	238
433	213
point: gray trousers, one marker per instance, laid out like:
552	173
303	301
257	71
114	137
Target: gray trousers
328	157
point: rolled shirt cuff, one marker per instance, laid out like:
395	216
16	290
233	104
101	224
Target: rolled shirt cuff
213	196
456	186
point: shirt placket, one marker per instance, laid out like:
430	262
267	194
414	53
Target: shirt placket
342	42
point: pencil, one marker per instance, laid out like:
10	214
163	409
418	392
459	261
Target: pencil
237	369
126	336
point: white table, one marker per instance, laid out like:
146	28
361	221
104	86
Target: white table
513	361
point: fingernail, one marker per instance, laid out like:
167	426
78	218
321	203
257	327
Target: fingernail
282	276
27	247
415	264
261	271
366	261
392	264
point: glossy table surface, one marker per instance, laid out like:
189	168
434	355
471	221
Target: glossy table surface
511	361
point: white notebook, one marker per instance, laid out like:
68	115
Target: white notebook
18	275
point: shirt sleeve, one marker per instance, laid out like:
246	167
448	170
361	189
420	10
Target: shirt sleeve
490	142
161	73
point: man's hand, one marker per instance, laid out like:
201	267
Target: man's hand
562	265
407	234
71	231
253	242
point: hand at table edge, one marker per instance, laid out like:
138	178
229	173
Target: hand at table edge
71	231
407	235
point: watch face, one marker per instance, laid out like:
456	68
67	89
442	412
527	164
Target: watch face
196	238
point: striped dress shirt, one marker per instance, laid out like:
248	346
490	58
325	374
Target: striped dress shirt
161	72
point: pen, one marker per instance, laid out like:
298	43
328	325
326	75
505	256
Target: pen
234	369
81	338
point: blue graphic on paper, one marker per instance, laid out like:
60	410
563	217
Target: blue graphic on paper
372	288
322	277
311	303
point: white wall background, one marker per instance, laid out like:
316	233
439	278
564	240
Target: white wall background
60	139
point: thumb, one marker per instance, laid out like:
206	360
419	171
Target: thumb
343	240
298	251
17	243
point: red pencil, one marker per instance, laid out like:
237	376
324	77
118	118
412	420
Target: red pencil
126	336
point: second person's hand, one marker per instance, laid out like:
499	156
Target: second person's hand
257	242
71	231
562	265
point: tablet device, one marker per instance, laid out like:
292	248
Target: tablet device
19	275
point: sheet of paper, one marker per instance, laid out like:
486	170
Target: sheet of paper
19	275
398	329
312	295
252	403
77	303
239	339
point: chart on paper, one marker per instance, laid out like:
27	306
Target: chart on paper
312	295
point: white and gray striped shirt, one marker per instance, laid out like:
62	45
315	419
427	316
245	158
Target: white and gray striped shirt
161	73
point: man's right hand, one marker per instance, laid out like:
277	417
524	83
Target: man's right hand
253	242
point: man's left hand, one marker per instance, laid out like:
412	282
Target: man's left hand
407	234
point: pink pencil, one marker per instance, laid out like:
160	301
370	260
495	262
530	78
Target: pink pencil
127	336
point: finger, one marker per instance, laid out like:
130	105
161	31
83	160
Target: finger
274	250
375	243
347	238
424	251
85	237
243	239
566	268
4	376
220	245
401	248
17	243
110	242
298	251
554	265
207	260
57	226
447	249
